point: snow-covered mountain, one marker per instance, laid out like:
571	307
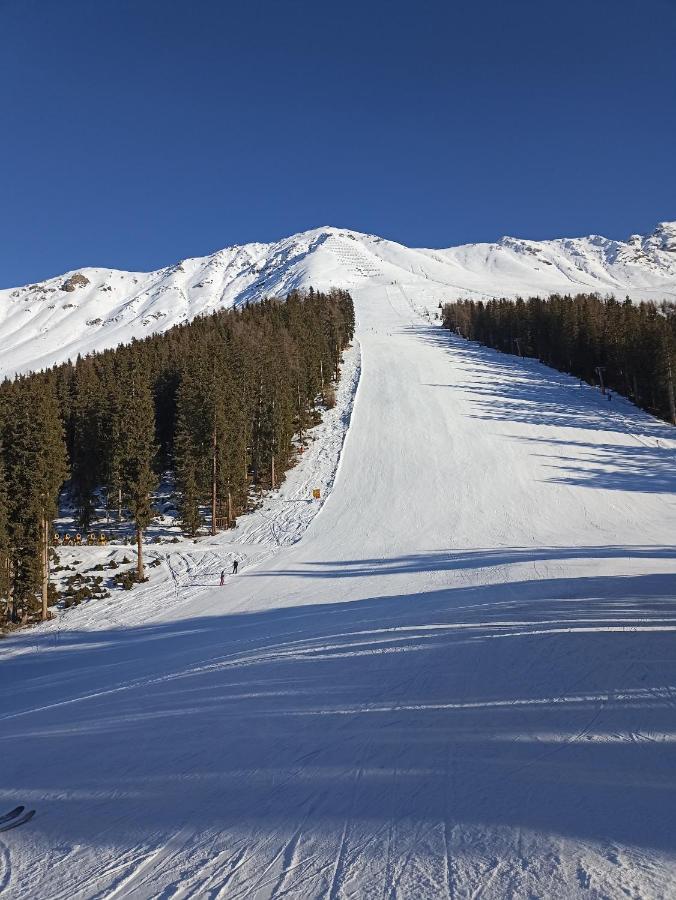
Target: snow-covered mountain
94	308
456	680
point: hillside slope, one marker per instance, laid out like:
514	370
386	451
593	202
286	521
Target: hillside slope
78	312
459	683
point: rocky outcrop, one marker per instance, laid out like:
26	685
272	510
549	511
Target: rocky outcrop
663	237
75	281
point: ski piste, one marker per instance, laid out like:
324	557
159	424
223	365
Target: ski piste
12	814
13	819
457	681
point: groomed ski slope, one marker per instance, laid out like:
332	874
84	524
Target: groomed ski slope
459	683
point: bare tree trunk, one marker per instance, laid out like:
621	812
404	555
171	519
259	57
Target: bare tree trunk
140	573
11	605
670	393
229	509
256	446
214	447
273	481
45	567
599	372
11	596
119	504
5	584
300	419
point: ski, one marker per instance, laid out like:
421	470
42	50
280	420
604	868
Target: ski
14	823
12	814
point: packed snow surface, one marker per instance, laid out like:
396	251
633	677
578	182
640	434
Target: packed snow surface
458	681
90	309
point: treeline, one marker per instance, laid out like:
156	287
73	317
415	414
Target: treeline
634	344
218	401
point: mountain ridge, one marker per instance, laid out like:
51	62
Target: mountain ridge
92	308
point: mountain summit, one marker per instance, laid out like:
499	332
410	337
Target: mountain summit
93	308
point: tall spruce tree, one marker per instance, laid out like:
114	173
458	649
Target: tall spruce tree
36	469
136	429
87	441
222	396
634	345
5	557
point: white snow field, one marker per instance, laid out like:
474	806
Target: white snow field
459	683
94	308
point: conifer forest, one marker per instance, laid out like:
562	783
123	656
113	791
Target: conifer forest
626	347
218	402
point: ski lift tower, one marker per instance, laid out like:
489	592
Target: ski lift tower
599	371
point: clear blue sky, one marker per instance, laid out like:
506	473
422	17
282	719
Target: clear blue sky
137	132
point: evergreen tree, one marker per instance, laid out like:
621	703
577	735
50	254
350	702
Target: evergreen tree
218	399
5	556
137	453
632	344
87	439
36	469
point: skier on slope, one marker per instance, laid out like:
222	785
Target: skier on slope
222	577
235	566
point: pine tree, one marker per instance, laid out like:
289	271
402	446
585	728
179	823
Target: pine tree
189	507
633	344
5	556
137	453
86	449
36	469
220	398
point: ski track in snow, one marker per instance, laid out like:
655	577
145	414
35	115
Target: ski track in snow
457	681
5	866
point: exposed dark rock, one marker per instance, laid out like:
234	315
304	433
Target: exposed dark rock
75	281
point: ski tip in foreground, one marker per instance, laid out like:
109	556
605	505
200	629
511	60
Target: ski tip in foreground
13	819
12	814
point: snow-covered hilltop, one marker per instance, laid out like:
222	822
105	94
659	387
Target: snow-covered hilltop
94	308
458	682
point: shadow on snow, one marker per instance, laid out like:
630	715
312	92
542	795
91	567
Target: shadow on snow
510	389
547	705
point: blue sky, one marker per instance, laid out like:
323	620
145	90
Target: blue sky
137	132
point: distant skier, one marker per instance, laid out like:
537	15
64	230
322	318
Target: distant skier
235	566
222	577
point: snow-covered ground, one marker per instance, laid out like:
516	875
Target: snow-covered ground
178	571
458	683
94	308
